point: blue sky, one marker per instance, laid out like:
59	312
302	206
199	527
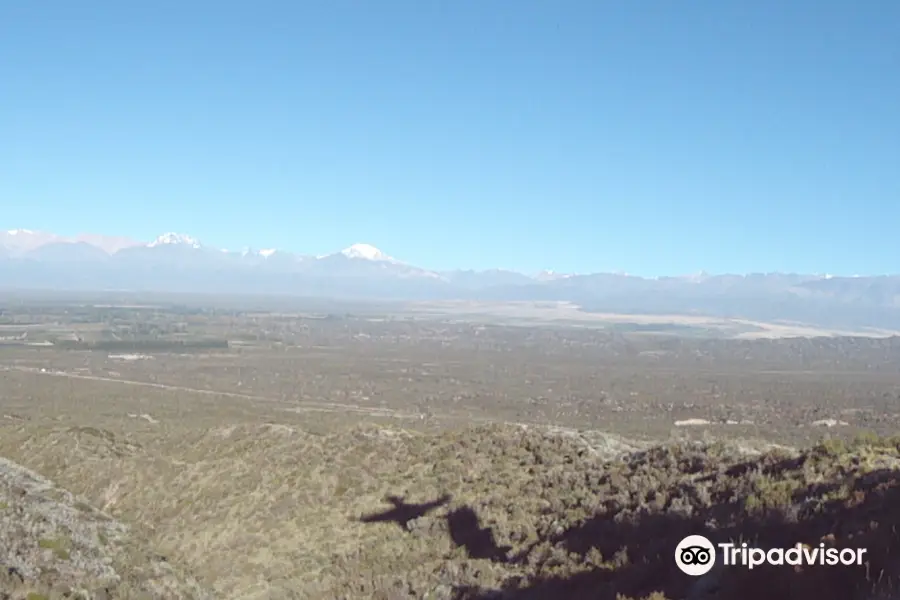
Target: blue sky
652	137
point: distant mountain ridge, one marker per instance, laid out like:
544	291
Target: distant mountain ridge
180	263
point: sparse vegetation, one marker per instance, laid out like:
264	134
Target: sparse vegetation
261	470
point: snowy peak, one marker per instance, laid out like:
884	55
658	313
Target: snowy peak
25	240
179	239
250	252
366	252
552	276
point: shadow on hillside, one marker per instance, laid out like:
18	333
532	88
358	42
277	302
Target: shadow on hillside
466	532
637	549
645	544
463	524
403	513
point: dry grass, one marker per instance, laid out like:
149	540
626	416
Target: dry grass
272	510
57	546
135	490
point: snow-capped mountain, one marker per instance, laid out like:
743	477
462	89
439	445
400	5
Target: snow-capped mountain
264	253
267	258
175	239
363	261
17	241
552	275
366	252
180	262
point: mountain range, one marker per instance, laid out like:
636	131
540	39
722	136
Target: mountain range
180	263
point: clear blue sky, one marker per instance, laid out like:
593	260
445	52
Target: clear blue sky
653	137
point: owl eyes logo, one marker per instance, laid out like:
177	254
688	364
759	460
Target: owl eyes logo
695	555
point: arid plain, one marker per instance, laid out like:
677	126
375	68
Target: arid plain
176	450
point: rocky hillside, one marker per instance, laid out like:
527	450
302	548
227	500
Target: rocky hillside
270	511
53	545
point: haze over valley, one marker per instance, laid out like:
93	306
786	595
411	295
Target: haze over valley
808	303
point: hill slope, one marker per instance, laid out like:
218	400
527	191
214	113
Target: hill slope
259	511
53	545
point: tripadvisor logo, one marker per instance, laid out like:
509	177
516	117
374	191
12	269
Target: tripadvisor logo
695	555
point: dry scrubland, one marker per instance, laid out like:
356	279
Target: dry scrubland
346	457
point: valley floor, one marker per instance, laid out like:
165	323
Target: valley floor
223	497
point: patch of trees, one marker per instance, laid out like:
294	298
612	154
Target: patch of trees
144	345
